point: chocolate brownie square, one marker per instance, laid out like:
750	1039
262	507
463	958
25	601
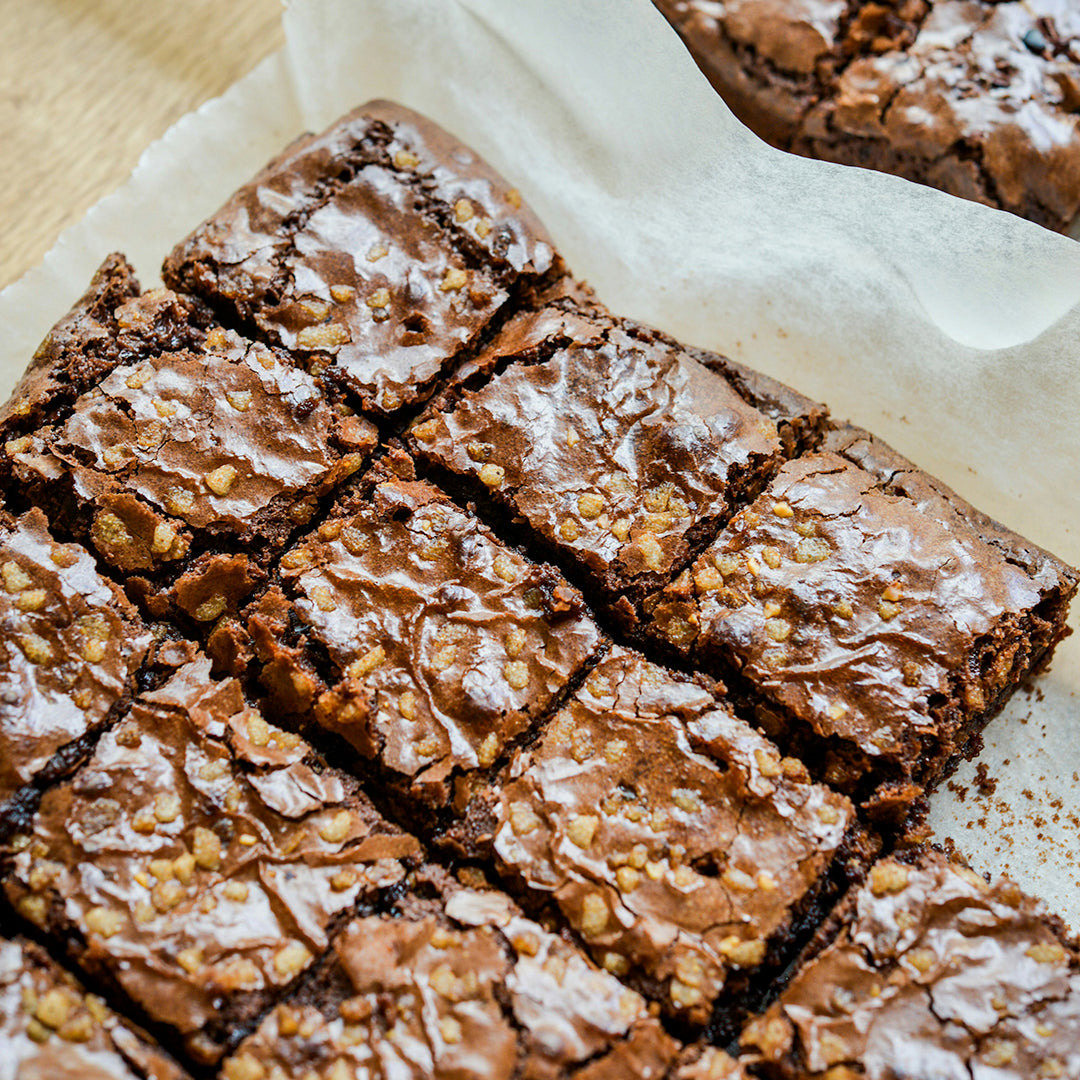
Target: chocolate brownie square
673	836
411	631
201	859
379	249
457	984
975	97
934	973
50	1027
874	619
70	645
623	451
188	459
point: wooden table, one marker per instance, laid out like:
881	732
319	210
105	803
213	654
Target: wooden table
85	85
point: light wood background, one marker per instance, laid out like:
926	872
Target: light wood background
85	85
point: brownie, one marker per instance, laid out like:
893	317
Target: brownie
192	457
623	451
935	973
381	249
412	632
673	836
70	644
50	1027
873	619
976	97
201	859
460	984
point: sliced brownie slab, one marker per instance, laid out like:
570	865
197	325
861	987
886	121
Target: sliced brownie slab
70	644
874	619
380	249
676	840
417	636
201	858
934	973
187	460
50	1027
623	451
459	984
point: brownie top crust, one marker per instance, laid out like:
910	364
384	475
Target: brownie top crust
52	1029
224	438
461	986
382	247
620	448
202	855
444	643
863	600
673	836
70	643
935	973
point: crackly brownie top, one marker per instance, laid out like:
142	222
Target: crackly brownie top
856	606
70	643
460	986
612	441
51	1027
229	437
444	642
383	245
673	835
201	852
936	973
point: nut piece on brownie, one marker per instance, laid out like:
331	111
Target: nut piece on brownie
673	836
934	973
70	643
622	450
379	249
875	619
193	440
200	858
459	985
444	644
50	1027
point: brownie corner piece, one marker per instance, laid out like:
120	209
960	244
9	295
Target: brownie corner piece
482	989
673	837
425	642
70	646
51	1027
622	451
933	970
872	619
381	249
201	859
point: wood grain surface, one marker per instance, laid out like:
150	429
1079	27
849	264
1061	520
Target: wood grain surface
85	85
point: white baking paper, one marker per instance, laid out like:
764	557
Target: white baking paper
948	328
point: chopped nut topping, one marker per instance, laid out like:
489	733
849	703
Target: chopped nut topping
771	555
165	408
292	959
999	1053
893	592
19	446
463	211
888	610
34	600
523	820
220	480
344	879
590	505
516	673
104	922
407	705
505	567
191	960
453	280
828	815
210	609
594	915
323	336
737	879
166	808
406	159
922	960
627	878
569	529
36	649
380	298
488	750
782	510
179	501
614	750
620	528
581	829
483	227
492	475
778	629
687	799
742	953
109	529
888	878
1047	953
768	764
324	598
812	549
683	996
513	197
515	642
708	579
651	551
367	663
206	847
426	431
337	828
377	252
140	377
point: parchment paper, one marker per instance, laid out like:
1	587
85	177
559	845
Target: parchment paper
948	328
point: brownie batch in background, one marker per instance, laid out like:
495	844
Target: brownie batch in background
202	448
457	982
201	858
876	620
976	97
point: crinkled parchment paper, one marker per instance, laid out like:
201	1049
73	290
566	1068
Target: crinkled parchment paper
949	329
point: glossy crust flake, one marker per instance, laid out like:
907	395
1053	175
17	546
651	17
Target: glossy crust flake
444	644
935	973
673	836
379	249
70	644
201	858
976	97
621	450
875	619
463	985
